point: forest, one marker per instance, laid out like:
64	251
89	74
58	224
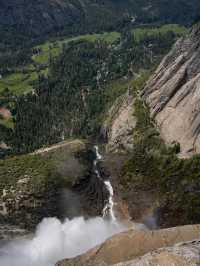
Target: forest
72	98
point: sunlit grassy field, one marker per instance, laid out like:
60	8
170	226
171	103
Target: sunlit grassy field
22	80
140	33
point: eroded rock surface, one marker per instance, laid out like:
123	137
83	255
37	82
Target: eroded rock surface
119	126
134	244
183	254
173	94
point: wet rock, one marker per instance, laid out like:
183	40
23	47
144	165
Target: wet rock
9	232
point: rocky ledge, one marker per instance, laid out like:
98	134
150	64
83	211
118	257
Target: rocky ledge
174	246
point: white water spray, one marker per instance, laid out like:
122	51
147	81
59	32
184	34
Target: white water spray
54	241
98	155
108	208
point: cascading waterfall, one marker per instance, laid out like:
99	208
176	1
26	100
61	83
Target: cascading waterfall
55	240
98	155
109	205
108	210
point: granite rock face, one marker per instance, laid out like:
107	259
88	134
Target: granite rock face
173	94
182	254
128	248
120	123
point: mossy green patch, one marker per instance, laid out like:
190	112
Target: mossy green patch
22	80
140	33
109	37
8	123
18	82
38	169
53	48
45	51
48	168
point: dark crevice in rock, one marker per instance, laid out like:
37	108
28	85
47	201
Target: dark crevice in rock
162	103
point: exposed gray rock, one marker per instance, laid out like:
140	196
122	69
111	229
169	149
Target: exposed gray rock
182	254
9	232
120	123
173	94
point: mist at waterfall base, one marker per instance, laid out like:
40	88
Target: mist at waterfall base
55	240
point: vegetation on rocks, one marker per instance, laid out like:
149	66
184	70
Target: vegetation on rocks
156	166
30	185
40	170
77	80
29	190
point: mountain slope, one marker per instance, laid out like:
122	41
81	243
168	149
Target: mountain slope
47	16
173	94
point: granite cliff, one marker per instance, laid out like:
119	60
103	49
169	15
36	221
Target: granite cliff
120	123
173	94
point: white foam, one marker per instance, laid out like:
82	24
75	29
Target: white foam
54	240
99	157
108	208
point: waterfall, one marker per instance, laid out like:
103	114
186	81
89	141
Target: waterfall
98	155
55	240
108	210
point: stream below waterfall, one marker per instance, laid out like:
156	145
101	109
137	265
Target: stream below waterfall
55	240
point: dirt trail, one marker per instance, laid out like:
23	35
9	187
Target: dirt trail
62	144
